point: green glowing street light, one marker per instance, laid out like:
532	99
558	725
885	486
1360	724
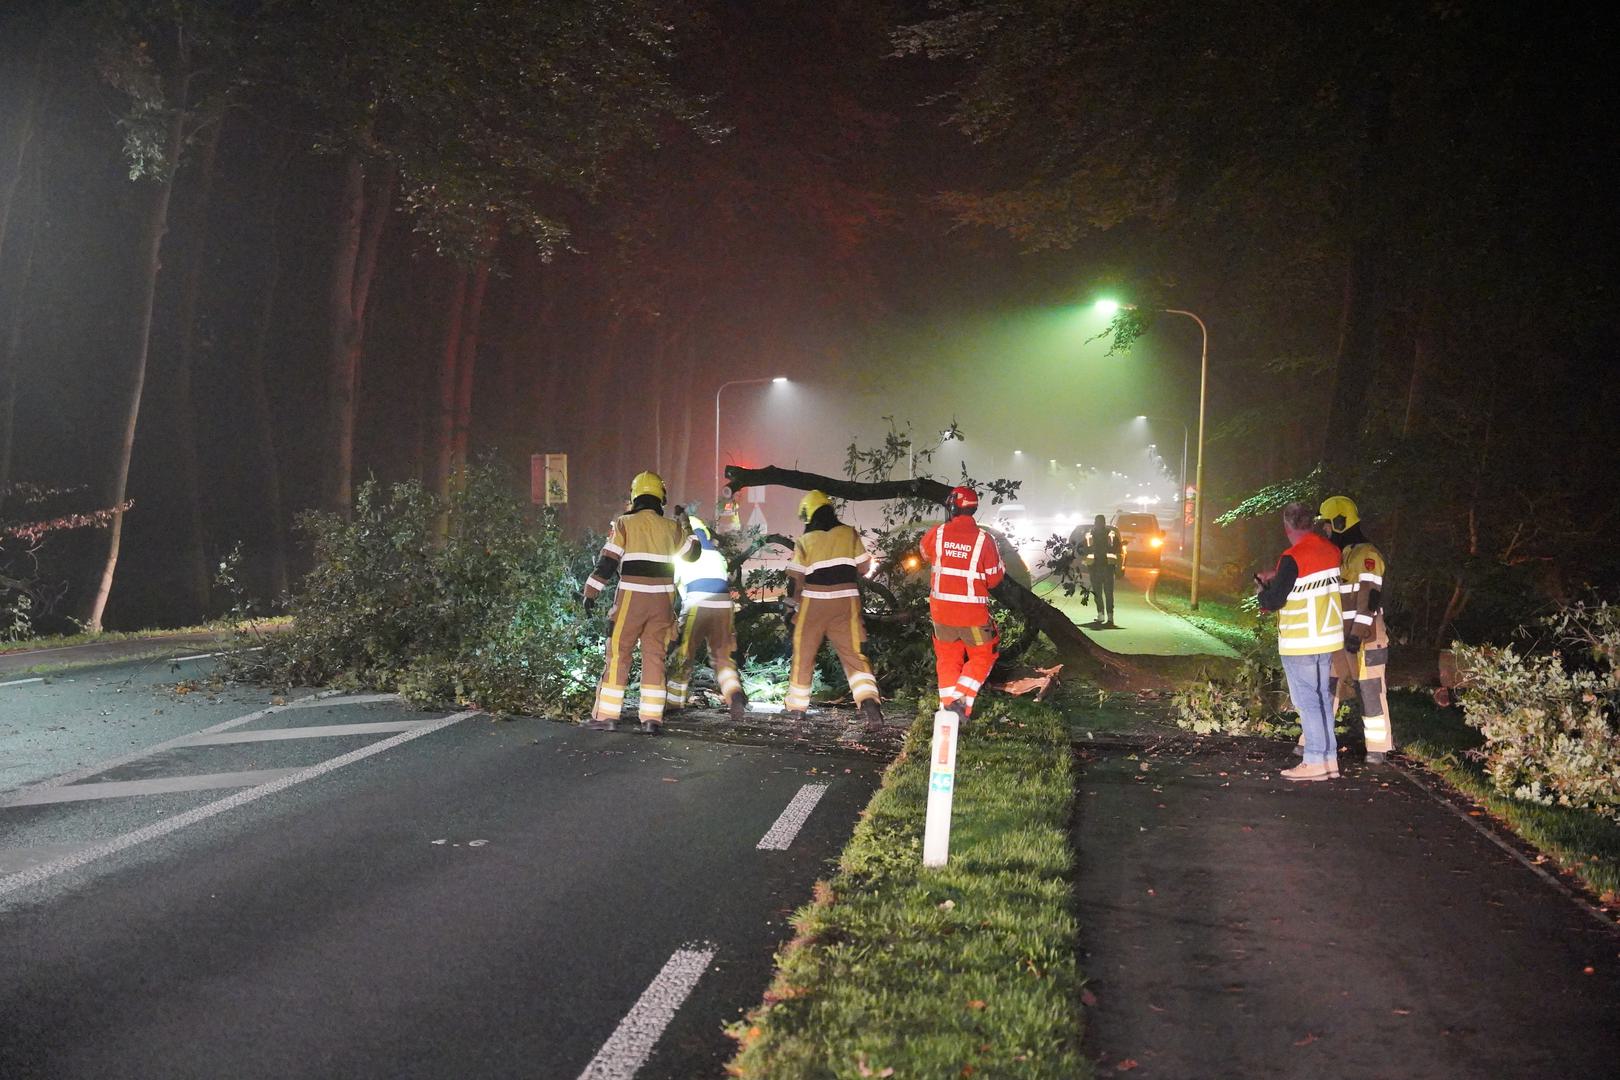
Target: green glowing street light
1113	307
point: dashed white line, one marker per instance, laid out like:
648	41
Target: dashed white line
324	698
19	682
632	1042
792	819
75	860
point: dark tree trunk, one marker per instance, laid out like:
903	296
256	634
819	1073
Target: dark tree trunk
445	416
264	426
16	316
354	269
27	112
149	265
467	367
194	547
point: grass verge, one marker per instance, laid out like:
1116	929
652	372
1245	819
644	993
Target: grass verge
900	971
1218	615
157	637
1581	842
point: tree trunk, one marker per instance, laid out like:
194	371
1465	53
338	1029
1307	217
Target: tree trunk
263	415
26	111
445	418
194	548
467	367
150	264
11	347
354	269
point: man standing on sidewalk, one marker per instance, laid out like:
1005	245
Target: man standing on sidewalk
965	567
1304	592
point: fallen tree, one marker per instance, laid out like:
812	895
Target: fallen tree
1105	667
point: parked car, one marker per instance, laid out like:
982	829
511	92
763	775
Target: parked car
1141	537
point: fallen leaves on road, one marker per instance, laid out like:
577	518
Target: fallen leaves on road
1087	998
1306	1041
1127	1065
1402	1012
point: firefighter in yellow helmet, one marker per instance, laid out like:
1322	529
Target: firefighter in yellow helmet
642	548
824	601
1366	639
706	619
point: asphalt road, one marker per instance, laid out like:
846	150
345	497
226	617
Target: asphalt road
1140	627
1237	925
350	888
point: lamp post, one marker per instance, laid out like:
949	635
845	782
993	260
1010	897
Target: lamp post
1181	492
734	382
1109	307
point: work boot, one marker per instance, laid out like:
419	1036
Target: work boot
959	707
596	724
1375	757
738	706
1310	771
1109	625
871	713
652	727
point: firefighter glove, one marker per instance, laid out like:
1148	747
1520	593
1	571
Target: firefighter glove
1352	644
590	604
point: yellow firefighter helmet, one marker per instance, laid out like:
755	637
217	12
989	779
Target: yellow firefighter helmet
647	483
812	502
1339	512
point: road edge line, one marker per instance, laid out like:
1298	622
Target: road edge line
633	1041
164	827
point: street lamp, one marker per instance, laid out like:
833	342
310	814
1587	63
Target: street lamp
1181	492
780	379
1112	307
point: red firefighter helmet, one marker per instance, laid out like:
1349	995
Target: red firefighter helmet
962	500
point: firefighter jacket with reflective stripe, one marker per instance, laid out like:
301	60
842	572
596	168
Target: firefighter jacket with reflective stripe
704	582
1100	548
1361	589
828	562
642	548
1309	617
965	566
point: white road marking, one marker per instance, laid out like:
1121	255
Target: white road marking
159	829
313	731
324	697
632	1042
19	682
792	819
161	785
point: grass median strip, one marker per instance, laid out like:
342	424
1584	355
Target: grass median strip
906	972
1584	843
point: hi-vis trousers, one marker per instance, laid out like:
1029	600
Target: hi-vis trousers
963	656
836	619
1363	670
639	618
710	626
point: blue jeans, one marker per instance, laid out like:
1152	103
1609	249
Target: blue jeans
1312	694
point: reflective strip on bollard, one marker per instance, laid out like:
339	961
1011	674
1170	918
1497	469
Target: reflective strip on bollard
941	788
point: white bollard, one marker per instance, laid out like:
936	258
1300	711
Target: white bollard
941	788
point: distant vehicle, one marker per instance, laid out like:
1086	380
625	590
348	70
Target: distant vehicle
1141	538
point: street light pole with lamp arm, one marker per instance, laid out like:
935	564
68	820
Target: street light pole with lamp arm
734	382
1181	498
1109	307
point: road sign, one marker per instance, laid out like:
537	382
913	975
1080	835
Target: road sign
941	788
548	479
